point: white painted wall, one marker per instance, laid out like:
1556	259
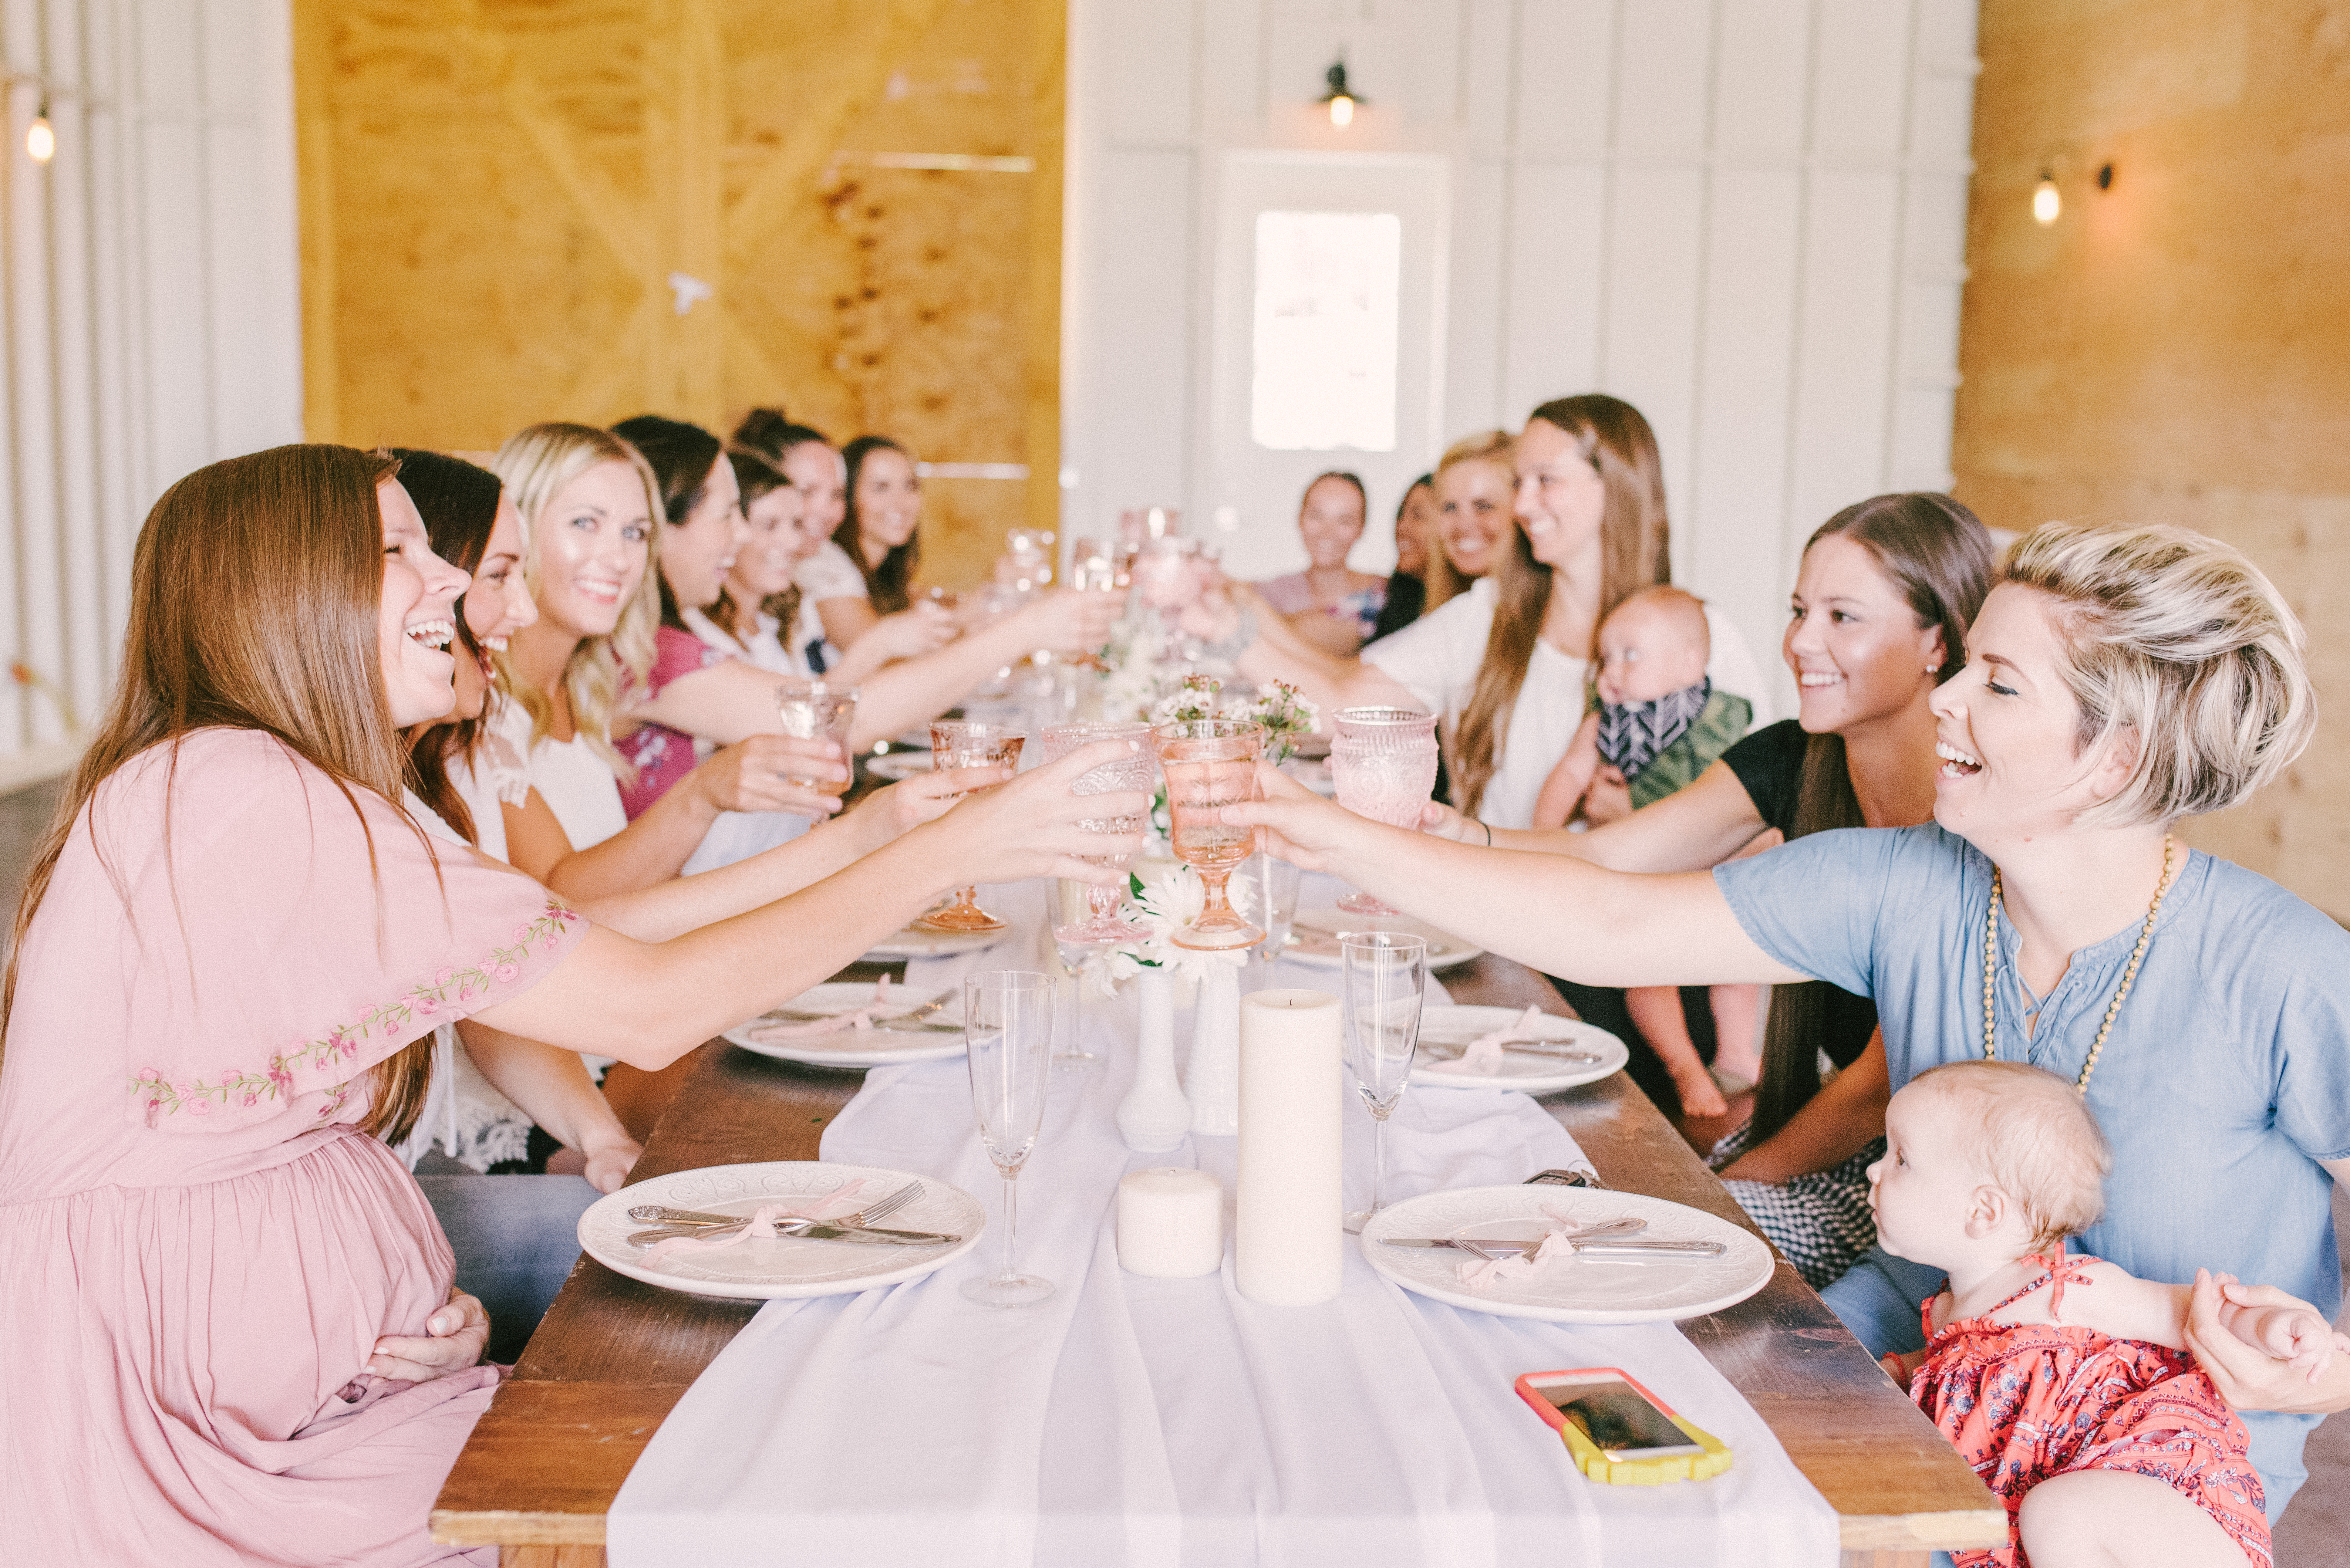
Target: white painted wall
1747	217
152	313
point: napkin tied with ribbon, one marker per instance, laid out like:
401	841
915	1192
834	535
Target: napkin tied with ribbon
1488	1274
841	1199
1482	1058
857	1018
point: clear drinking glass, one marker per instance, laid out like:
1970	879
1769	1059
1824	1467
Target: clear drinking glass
1272	896
1383	978
1383	760
967	746
1007	1030
1139	771
1210	764
813	711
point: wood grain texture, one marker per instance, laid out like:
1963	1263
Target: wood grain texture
614	1355
494	197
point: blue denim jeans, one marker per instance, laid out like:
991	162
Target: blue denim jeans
516	1238
1878	1301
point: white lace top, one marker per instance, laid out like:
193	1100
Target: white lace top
575	782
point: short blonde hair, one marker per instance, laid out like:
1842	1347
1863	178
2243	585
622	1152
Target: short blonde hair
2034	1137
2182	639
1497	447
536	464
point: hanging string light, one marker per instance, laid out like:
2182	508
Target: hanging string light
2046	203
1341	99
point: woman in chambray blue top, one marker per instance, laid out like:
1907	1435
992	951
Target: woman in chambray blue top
2117	681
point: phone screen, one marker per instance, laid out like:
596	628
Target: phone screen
1618	1421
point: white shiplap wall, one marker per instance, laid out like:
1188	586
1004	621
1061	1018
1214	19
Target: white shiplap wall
151	320
1747	217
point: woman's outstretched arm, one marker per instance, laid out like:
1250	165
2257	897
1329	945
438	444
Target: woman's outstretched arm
1562	916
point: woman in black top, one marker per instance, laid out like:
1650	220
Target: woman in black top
1878	619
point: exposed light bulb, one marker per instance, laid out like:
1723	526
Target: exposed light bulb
2045	201
1342	111
40	138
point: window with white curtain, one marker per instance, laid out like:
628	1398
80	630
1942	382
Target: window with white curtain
1324	364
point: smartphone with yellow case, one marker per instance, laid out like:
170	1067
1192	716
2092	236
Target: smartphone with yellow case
1618	1432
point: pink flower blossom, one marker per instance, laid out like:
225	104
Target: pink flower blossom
444	975
200	1106
506	973
253	1100
426	1006
155	1073
522	933
350	1048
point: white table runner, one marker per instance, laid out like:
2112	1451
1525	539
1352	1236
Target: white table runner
1139	1423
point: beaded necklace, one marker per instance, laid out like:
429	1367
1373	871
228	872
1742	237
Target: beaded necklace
2129	974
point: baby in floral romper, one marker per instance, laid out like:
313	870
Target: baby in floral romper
2086	1414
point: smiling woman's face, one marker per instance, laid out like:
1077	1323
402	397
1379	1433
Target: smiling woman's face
1472	514
777	543
1853	643
497	605
818	472
417	619
592	541
2007	728
888	501
1330	521
696	554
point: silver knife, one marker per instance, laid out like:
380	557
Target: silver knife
1597	1247
810	1231
1603	1229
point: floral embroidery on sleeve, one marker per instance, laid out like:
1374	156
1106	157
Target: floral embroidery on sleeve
243	1088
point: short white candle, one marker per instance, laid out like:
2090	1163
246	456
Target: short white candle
1171	1223
1288	1224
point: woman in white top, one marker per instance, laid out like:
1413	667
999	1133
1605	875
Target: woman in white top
837	632
1508	663
588	502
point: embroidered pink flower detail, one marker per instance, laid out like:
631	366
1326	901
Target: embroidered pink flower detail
350	1048
199	1106
150	1074
252	1099
426	1006
445	975
506	973
522	933
341	1041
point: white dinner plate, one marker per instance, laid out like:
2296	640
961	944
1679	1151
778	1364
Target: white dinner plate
783	1266
1315	937
1569	1290
1526	1070
854	1047
895	766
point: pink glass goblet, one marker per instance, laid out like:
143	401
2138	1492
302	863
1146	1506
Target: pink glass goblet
1210	764
1383	760
1139	771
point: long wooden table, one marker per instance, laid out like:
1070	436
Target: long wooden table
615	1355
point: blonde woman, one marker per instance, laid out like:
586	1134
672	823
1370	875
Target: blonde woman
1508	663
2117	681
589	502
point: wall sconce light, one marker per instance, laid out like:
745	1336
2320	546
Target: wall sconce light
2045	201
1341	98
40	138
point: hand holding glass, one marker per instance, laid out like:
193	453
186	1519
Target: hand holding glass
813	710
1210	764
966	745
1383	980
1139	771
1383	760
1007	1030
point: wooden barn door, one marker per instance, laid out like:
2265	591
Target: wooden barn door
517	210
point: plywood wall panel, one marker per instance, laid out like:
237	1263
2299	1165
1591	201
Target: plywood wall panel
871	191
1564	90
2175	349
1662	75
1557	270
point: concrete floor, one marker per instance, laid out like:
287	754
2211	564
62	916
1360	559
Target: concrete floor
2315	1532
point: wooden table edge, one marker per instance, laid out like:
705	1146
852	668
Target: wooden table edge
1959	1530
466	1527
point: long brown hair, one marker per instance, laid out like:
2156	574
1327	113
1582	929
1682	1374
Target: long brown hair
1938	554
887	584
459	503
1634	539
256	590
755	476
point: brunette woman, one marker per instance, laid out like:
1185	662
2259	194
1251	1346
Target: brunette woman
229	1312
1884	595
1413	588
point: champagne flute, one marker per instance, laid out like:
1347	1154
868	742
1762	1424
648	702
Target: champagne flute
1007	1030
1383	978
967	746
1383	762
813	711
1210	764
1137	771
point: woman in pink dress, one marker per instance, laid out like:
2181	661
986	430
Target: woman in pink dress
230	1327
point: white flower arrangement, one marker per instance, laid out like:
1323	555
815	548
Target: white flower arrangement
1161	907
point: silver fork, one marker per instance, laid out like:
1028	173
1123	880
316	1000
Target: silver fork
688	1222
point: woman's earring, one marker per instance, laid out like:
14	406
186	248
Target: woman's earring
1933	670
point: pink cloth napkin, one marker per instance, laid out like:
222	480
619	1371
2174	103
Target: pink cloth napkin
838	1023
840	1200
1483	1059
1487	1273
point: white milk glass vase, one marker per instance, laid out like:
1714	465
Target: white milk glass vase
1154	1116
1212	1079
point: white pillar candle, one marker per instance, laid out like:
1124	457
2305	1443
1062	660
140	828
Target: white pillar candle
1288	1227
1171	1223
